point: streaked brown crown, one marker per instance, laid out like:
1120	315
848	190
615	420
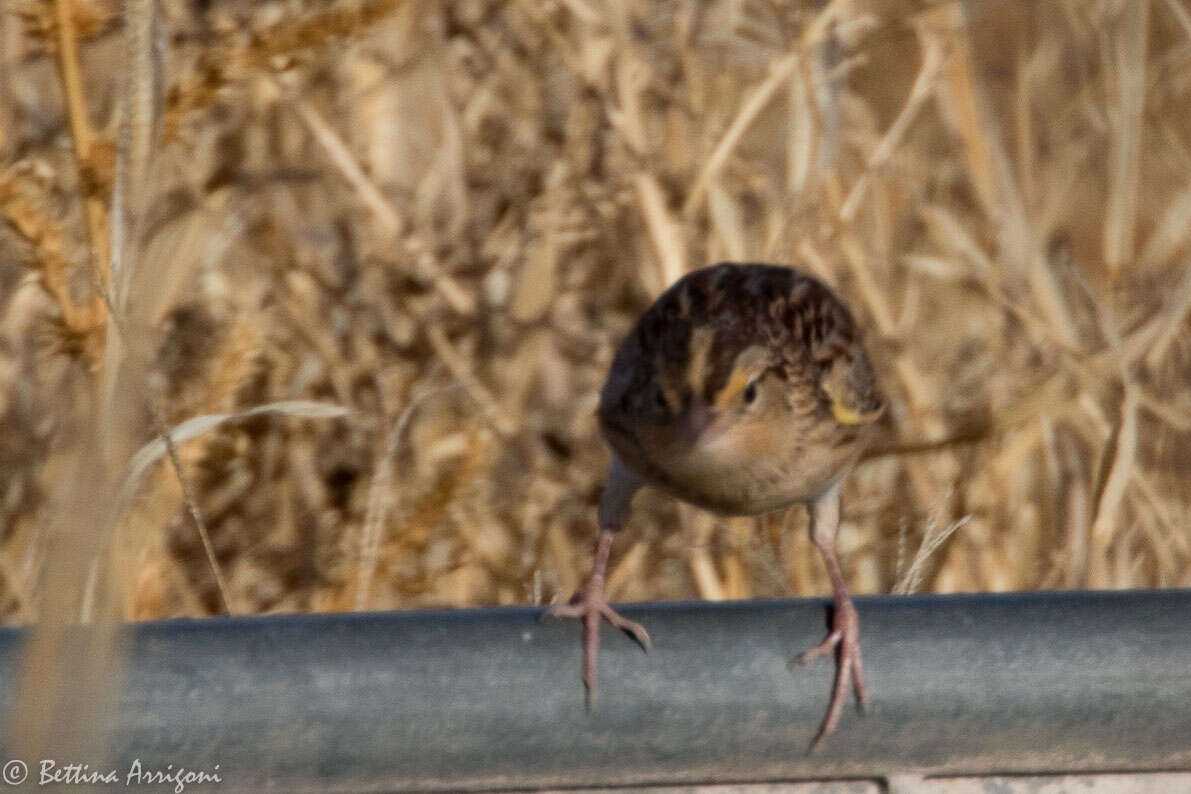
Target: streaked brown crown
688	342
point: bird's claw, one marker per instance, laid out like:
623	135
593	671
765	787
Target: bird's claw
630	627
590	606
580	606
845	640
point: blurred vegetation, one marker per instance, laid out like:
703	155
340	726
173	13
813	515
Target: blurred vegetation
445	216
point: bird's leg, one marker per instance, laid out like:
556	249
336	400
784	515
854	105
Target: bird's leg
845	624
589	603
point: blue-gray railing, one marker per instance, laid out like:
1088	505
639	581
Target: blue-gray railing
491	698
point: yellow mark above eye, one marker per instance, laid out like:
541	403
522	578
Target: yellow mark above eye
737	382
750	365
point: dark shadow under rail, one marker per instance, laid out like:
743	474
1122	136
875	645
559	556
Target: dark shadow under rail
491	698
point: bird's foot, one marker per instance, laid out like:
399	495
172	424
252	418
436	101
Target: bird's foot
590	606
845	640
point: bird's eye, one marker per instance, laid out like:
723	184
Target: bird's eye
750	393
659	400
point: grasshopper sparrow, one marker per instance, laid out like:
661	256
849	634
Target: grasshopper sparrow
743	389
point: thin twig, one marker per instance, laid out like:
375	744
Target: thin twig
139	127
924	84
504	425
82	135
1169	324
191	502
380	499
757	101
343	160
1120	457
664	231
1125	154
931	541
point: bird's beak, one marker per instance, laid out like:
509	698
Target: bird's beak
695	420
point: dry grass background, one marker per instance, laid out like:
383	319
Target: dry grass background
445	216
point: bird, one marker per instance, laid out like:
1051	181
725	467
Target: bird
743	389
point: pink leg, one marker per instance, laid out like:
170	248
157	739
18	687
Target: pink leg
845	624
589	605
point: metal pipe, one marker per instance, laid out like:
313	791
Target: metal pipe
491	698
